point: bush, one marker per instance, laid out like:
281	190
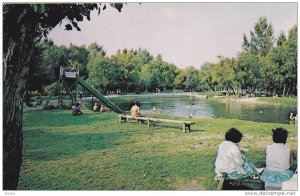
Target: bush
52	89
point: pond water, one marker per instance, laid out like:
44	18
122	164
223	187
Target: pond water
206	108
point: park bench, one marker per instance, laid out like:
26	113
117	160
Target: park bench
241	184
186	125
125	118
249	183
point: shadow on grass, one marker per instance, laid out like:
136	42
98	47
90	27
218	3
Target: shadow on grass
178	126
51	146
61	118
198	130
176	166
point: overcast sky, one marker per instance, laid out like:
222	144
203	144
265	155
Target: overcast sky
183	33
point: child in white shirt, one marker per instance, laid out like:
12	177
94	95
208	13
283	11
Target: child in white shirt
230	160
278	159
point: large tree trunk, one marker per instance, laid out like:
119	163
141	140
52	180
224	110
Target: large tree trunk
18	34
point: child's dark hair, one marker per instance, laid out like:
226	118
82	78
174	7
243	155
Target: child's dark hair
233	135
136	103
279	135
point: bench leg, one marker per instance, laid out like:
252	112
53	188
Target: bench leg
183	127
220	185
188	128
121	118
149	123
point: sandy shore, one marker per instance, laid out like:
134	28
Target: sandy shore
248	100
252	100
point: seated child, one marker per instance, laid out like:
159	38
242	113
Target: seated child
230	160
135	110
76	110
293	117
96	107
278	157
103	108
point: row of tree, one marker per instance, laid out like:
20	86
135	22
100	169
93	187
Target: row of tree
265	64
127	70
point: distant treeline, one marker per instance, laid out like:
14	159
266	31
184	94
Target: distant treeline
265	64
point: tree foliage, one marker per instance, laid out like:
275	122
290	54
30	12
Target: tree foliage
281	65
261	39
24	25
248	74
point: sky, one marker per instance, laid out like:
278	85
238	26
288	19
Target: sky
186	34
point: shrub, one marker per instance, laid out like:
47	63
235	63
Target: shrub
52	89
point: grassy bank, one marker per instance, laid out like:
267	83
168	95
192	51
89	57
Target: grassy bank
279	101
282	101
95	152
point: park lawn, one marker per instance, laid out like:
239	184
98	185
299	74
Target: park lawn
281	101
95	152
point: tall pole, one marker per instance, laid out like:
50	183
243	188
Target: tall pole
59	91
75	94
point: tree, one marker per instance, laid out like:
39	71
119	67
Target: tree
145	76
191	79
52	58
208	76
261	39
94	50
23	27
180	78
282	65
144	55
162	73
248	71
281	38
271	78
127	63
290	66
78	58
227	74
102	73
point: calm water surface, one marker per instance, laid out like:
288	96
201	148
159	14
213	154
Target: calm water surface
206	108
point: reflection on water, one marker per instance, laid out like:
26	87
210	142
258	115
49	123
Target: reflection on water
202	108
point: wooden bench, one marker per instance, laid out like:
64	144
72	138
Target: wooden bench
186	125
124	118
242	184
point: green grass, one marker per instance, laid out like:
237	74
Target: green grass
95	152
282	101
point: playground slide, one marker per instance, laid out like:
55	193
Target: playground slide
103	99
